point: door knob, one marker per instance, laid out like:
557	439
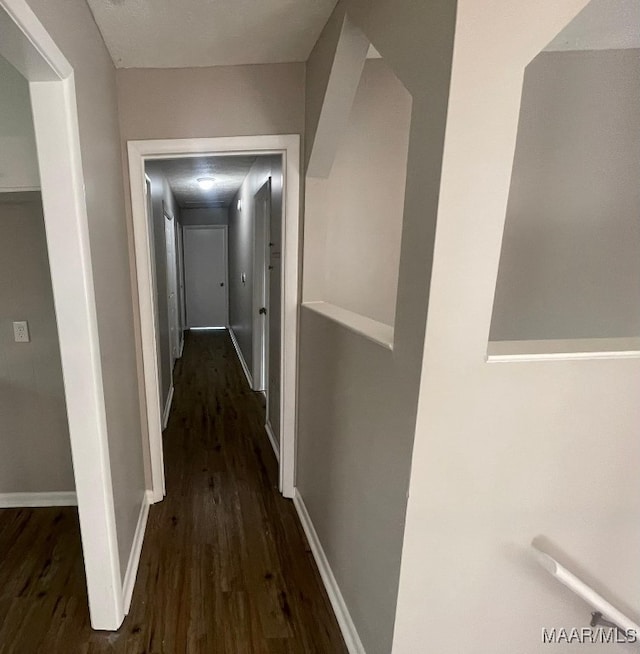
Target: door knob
221	283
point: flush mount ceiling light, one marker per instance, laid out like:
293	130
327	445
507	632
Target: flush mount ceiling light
206	183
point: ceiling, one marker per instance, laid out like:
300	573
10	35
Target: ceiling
190	33
602	25
182	174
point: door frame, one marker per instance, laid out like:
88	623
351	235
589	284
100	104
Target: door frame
287	146
26	44
225	234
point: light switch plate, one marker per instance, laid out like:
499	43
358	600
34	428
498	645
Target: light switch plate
21	331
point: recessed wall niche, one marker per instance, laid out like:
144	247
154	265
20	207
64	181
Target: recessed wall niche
570	260
354	217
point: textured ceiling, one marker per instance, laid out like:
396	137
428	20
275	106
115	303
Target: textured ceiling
229	173
172	34
602	25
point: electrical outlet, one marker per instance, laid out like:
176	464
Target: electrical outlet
21	331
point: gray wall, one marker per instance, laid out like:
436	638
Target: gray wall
74	31
242	236
570	264
354	449
223	101
18	156
360	206
162	200
35	451
357	400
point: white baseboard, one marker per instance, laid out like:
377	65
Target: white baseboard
243	363
273	440
348	629
19	500
167	409
134	557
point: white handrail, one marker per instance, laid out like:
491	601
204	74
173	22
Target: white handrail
587	593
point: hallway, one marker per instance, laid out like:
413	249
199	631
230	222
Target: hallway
225	567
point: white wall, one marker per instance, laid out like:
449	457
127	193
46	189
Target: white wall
35	451
357	400
162	199
504	452
359	208
74	31
570	261
18	156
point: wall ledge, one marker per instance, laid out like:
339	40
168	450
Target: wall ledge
563	350
375	331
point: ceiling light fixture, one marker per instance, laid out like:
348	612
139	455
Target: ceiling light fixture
206	183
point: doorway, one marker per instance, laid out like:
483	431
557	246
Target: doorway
26	45
287	149
205	276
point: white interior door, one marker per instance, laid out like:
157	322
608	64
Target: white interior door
180	264
205	276
172	287
152	258
262	231
274	275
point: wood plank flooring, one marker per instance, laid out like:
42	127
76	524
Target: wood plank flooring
225	567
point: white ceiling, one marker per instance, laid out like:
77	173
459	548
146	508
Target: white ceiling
602	25
229	173
172	34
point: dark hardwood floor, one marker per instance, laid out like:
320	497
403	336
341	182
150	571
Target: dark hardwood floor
225	567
